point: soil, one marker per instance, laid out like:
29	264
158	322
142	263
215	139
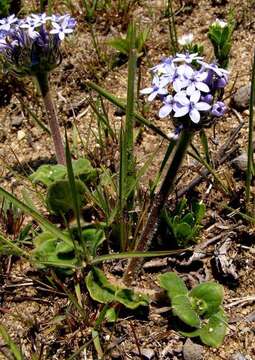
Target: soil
38	314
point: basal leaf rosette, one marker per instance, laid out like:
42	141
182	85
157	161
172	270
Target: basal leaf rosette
31	45
190	90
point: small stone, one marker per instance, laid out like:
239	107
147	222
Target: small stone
192	351
240	162
16	121
241	98
238	356
21	135
148	354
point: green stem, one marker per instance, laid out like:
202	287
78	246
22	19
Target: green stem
250	169
43	82
158	204
127	166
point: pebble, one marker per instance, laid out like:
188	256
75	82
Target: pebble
241	98
147	353
21	135
192	351
16	121
240	162
239	356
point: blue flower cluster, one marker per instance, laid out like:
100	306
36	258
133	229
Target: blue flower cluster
31	44
187	86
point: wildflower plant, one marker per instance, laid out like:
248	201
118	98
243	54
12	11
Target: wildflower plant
189	90
187	87
220	34
184	223
31	47
200	309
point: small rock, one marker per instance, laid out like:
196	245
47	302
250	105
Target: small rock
16	121
239	356
147	354
21	135
192	351
241	98
240	162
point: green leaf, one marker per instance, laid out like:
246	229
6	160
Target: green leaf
211	294
198	209
48	174
49	250
120	45
59	196
111	315
131	299
213	333
100	289
93	238
189	219
183	231
173	284
182	307
83	169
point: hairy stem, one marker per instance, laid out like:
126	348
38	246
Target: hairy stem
52	117
158	204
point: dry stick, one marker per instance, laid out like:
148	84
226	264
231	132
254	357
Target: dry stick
157	205
43	82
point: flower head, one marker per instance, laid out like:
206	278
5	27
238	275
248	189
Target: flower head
63	28
185	39
191	106
220	23
218	109
187	86
157	88
31	45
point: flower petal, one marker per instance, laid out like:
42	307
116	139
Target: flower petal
165	111
191	89
182	98
194	115
202	87
152	95
202	106
145	91
195	96
181	111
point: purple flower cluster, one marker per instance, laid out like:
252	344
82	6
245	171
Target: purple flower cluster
31	45
187	86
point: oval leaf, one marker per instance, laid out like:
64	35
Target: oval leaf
131	299
213	333
100	289
182	308
59	197
211	294
48	174
173	284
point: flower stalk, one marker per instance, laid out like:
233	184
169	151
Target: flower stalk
43	82
158	204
